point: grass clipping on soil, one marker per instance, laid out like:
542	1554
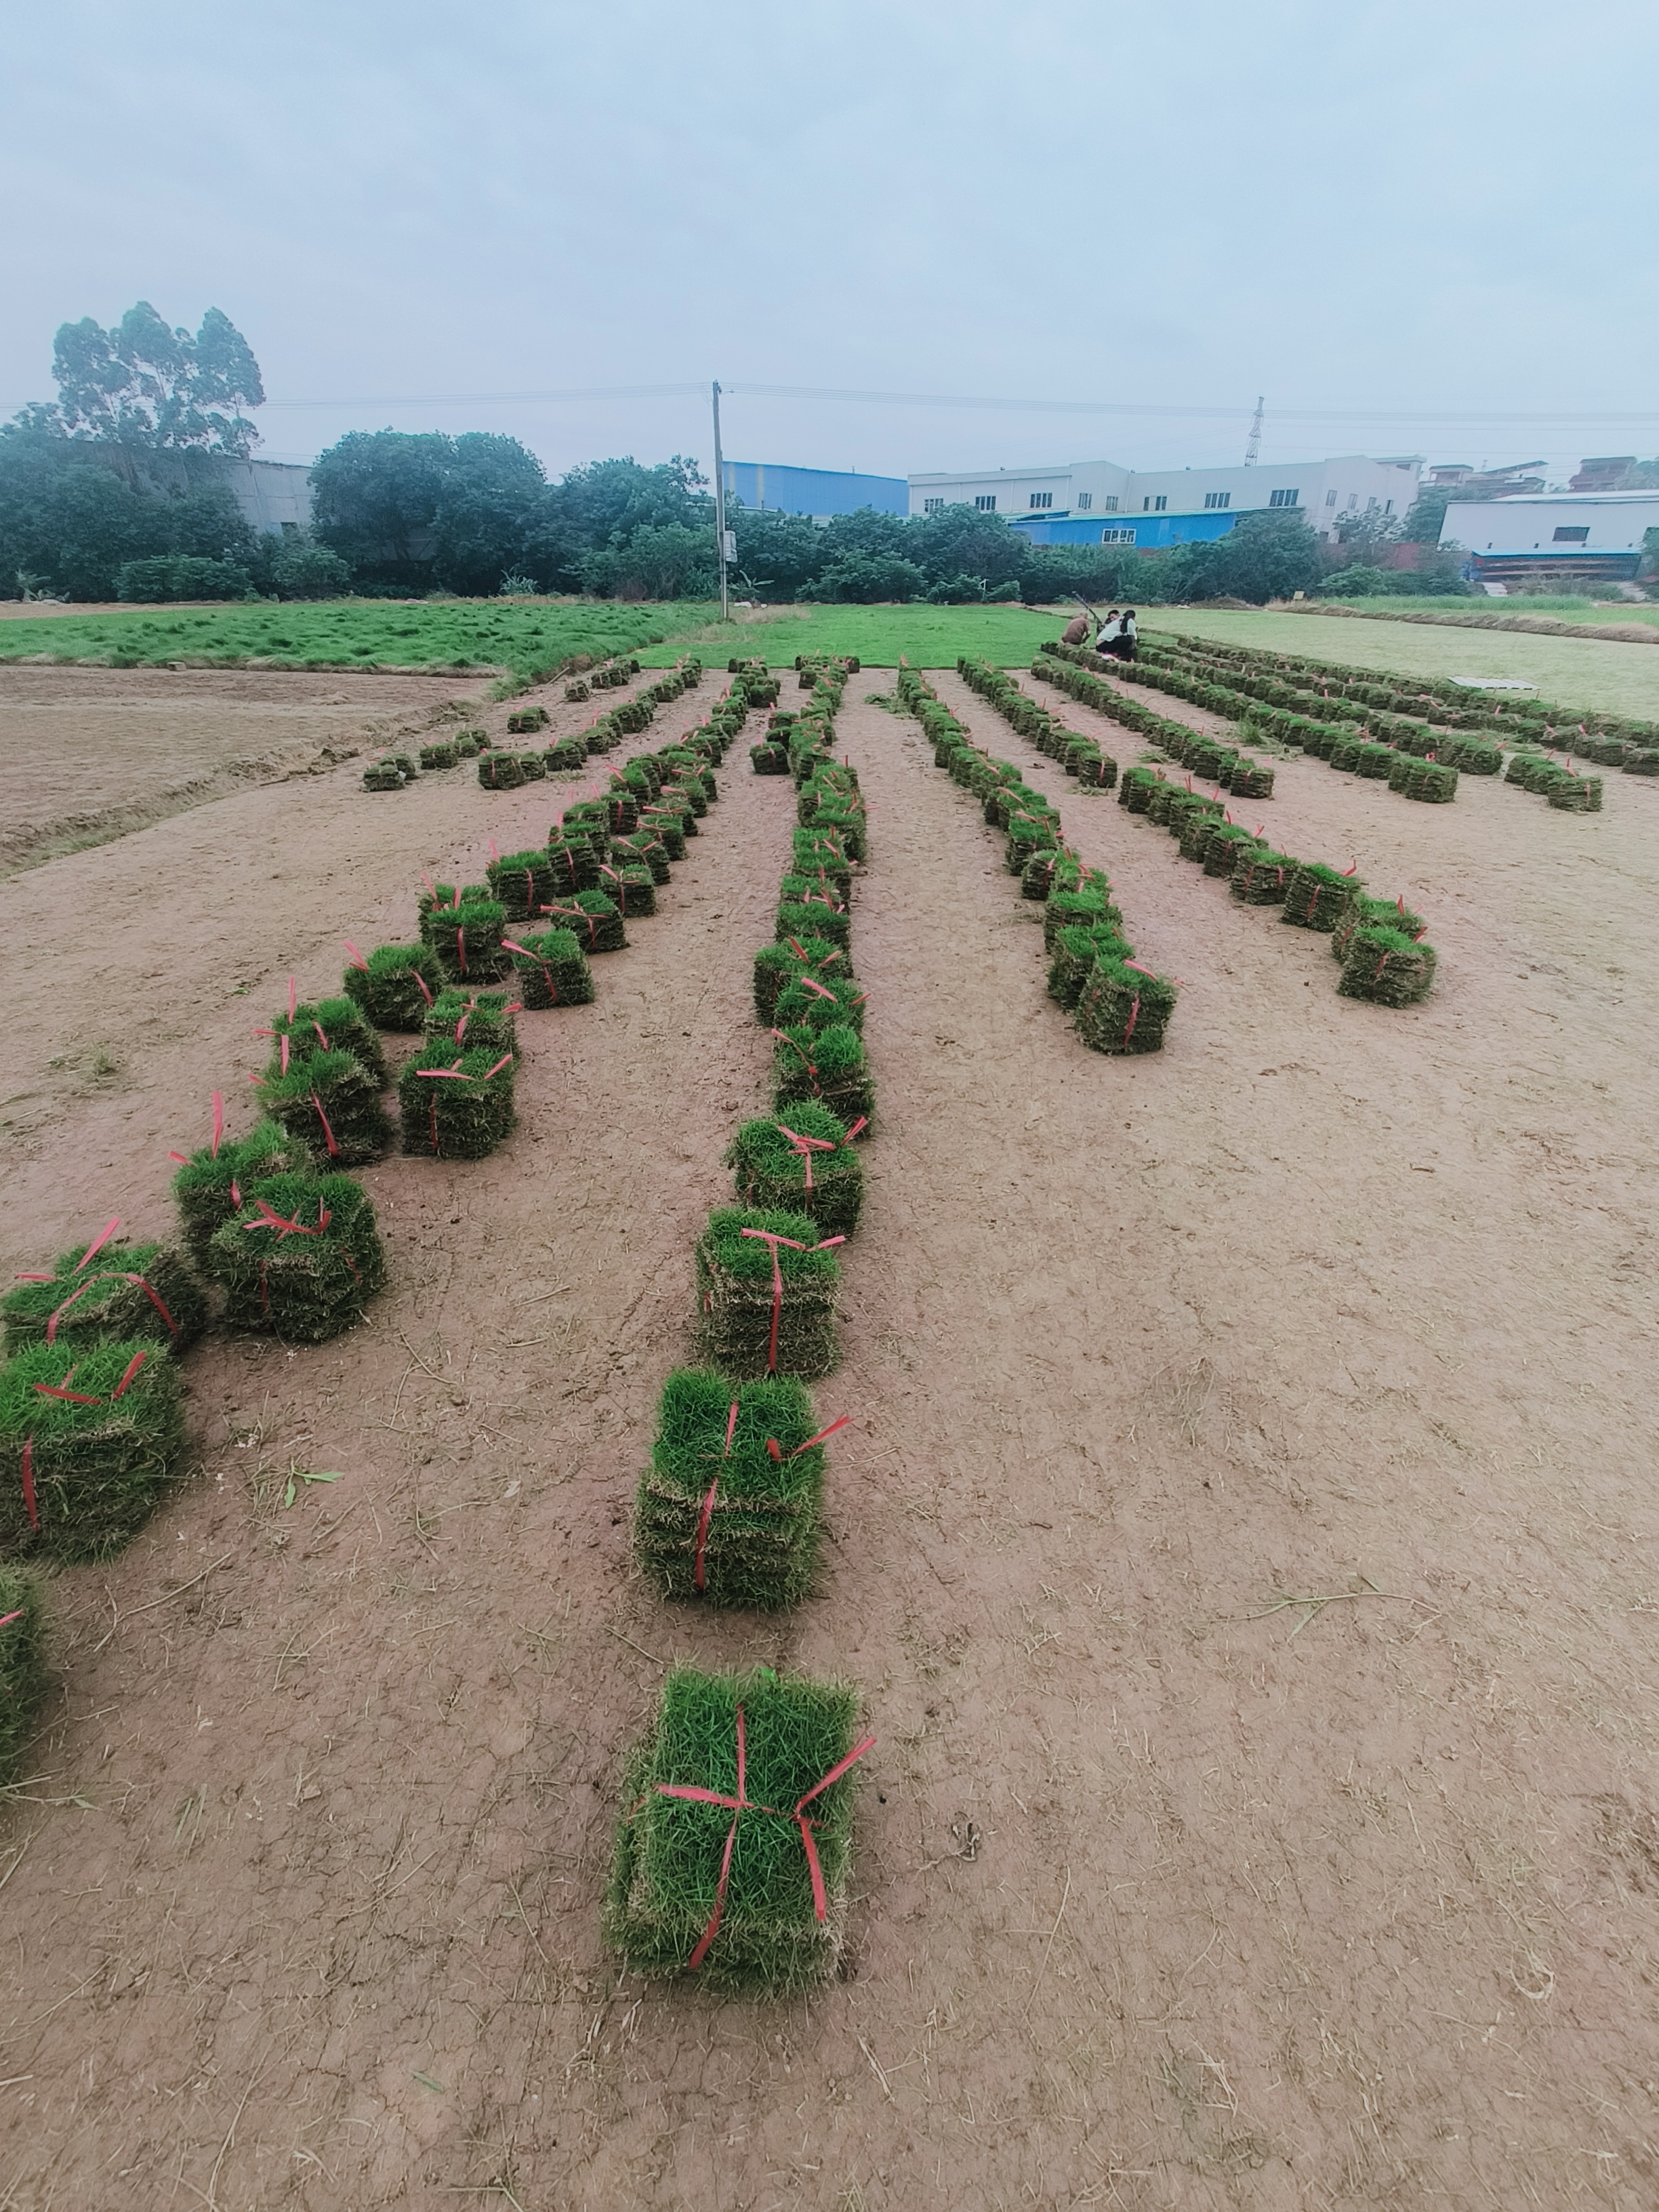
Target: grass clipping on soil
766	1289
728	1510
89	1439
731	1892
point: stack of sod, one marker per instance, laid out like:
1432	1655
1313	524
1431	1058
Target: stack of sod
552	970
596	920
812	916
1198	825
769	758
1124	1010
457	1104
521	884
573	865
568	753
383	775
621	812
330	1026
1316	895
1360	912
301	1258
817	1001
666	824
574	693
1261	877
534	766
728	1510
1387	967
827	1065
631	886
208	1185
780	963
500	772
330	1104
733	1890
1076	951
641	850
439	754
108	1293
803	1161
467	939
528	719
89	1438
1089	907
477	1021
1432	781
1576	794
767	1297
23	1666
469	743
395	985
1222	852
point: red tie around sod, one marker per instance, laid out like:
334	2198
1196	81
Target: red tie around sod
772	1240
74	1398
743	1803
508	945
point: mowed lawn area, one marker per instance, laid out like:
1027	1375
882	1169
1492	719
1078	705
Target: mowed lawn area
1613	676
525	638
928	637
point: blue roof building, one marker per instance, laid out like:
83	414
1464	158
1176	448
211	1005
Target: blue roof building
820	492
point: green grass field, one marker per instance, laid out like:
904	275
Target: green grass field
928	637
1565	609
1616	677
524	639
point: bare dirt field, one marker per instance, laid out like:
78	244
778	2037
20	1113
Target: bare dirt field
1245	1540
87	754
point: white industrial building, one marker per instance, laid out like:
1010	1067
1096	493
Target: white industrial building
1097	502
1572	534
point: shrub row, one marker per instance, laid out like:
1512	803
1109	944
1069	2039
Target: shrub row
733	1854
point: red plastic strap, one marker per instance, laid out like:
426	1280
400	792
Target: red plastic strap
270	1218
818	988
777	1451
708	1502
7	1619
1134	1009
358	959
97	1244
771	1238
805	1147
28	1482
328	1133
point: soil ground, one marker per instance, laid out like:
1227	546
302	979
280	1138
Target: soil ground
1244	1538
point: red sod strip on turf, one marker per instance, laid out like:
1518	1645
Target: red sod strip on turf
743	1803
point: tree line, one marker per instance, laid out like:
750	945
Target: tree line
117	490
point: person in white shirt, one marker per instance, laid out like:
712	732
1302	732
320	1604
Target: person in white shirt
1122	645
1108	632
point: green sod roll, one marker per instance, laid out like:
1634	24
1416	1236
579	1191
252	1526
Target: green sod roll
122	1294
720	1516
751	1327
666	1876
479	1021
330	1026
827	1065
329	1103
550	968
457	1104
395	985
207	1190
801	1160
300	1259
80	1473
1119	1010
1387	967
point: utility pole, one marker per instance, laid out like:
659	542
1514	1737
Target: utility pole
1253	451
720	508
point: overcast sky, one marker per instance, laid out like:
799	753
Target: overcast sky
1404	221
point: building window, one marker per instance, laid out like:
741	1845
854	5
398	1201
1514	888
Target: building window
1108	505
1388	507
1353	501
1155	506
1577	534
932	506
1085	500
1217	499
1286	498
1042	498
1330	499
985	502
1125	537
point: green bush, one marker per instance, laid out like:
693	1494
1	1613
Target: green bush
168	576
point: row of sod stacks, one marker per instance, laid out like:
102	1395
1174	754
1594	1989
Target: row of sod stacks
1219	763
1338	715
1081	757
1117	1006
1308	894
509	770
734	1846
